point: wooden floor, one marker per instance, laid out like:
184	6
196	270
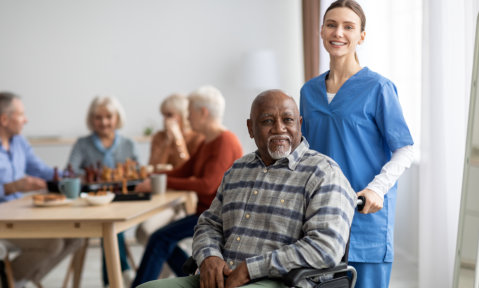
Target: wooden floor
404	273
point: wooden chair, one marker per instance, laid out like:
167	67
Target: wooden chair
75	268
6	272
5	267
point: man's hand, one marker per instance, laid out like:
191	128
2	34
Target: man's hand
374	202
212	272
238	277
25	184
144	186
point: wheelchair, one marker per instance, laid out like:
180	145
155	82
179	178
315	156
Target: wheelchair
340	276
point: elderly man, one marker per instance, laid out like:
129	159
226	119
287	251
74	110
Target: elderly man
21	171
283	207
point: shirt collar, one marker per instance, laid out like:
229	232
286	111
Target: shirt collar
10	141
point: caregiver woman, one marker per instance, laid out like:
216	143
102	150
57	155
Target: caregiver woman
353	115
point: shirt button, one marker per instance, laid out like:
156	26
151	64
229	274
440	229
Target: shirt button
255	192
265	170
231	263
247	216
282	201
238	239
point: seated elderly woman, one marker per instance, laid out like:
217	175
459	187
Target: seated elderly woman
172	146
177	141
104	145
202	173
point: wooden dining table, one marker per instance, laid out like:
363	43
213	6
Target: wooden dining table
21	219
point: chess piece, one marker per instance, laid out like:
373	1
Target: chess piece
106	174
98	171
71	173
124	188
56	178
143	172
90	174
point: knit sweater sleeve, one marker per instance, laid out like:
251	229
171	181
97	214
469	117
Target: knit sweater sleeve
204	171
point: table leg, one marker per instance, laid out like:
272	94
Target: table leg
112	256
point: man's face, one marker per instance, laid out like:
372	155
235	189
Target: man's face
14	119
275	125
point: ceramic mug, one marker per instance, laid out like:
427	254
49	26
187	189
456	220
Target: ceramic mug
158	183
70	187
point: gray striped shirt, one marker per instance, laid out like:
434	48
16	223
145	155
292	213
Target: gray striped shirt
294	213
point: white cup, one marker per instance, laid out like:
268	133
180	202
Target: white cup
158	183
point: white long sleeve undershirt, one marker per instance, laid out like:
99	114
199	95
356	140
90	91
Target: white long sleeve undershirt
401	159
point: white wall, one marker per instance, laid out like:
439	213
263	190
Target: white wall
59	54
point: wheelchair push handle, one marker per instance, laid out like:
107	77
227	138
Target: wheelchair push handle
361	202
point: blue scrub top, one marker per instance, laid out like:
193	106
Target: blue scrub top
359	129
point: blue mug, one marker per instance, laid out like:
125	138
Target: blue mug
70	187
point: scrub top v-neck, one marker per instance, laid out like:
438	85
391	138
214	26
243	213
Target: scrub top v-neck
359	129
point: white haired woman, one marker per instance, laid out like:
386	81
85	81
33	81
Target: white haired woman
104	145
177	142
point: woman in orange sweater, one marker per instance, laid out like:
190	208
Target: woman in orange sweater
202	173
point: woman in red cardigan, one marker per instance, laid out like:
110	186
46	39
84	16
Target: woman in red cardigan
202	173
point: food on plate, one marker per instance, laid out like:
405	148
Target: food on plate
46	198
98	193
99	197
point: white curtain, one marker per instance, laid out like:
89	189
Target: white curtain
426	48
448	32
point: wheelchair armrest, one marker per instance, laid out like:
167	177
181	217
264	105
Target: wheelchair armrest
296	275
190	266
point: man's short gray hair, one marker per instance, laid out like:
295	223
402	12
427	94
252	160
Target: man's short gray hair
6	99
210	98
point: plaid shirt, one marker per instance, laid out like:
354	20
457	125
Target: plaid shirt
294	213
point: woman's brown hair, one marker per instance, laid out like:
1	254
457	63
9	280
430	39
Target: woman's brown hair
351	4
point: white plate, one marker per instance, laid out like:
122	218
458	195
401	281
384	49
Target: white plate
98	200
53	203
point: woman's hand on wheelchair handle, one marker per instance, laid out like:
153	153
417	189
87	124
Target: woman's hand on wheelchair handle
374	202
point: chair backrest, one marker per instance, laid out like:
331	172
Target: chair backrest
3	250
6	273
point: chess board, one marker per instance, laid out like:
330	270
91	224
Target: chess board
113	186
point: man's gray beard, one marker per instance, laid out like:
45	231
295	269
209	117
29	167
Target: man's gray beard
279	154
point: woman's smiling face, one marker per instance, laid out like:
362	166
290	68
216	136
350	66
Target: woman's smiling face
341	32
